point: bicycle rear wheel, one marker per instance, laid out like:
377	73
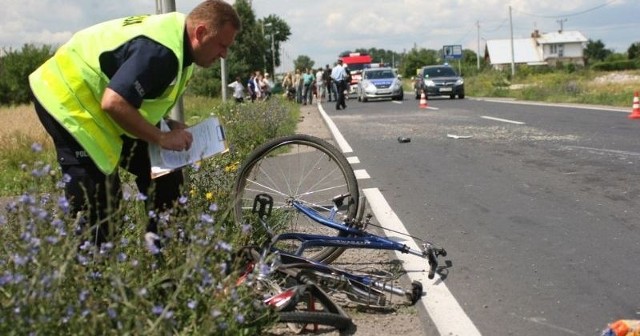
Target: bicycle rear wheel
302	168
298	320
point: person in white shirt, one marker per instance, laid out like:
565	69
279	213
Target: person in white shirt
265	86
320	87
238	90
339	76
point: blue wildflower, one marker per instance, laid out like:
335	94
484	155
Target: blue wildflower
206	218
213	207
106	247
157	309
83	260
192	304
20	260
27	199
57	223
36	147
224	246
183	200
83	295
63	204
52	240
85	245
5	279
141	197
246	228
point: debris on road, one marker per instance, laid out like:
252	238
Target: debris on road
454	136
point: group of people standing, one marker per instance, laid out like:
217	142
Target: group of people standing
302	86
258	87
328	83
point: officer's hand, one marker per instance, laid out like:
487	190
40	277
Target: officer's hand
177	140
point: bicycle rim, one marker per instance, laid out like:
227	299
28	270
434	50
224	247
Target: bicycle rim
303	168
298	320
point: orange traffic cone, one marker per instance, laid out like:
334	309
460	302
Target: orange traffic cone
635	113
423	100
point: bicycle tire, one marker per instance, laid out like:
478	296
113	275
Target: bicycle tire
337	321
304	168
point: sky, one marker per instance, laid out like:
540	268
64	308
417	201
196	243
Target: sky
321	29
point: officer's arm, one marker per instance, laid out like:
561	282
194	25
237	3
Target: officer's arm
128	117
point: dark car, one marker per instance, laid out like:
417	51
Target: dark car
439	80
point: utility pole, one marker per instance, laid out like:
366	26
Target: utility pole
513	65
168	6
264	58
273	56
478	54
273	47
561	22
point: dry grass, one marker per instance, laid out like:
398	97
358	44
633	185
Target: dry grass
21	122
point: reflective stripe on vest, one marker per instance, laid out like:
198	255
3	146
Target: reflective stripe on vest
70	85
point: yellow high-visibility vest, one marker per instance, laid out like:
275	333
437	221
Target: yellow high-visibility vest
70	85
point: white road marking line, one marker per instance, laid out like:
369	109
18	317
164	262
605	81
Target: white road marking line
353	159
342	143
577	106
361	174
602	150
442	307
503	120
444	310
396	102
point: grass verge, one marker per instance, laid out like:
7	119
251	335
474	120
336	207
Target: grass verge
53	282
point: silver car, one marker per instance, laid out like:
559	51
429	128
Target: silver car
379	83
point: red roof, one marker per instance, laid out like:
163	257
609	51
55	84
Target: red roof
356	59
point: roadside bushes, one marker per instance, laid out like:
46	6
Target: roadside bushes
53	282
617	65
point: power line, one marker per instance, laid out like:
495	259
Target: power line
498	27
568	15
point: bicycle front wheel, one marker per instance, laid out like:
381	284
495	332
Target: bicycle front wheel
301	168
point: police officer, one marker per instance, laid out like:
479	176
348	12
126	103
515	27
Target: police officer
339	76
103	93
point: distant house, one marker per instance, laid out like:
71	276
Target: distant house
546	48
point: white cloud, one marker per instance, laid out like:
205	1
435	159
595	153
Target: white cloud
322	29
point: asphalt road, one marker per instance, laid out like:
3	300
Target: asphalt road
538	206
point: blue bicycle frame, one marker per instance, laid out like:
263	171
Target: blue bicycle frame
355	237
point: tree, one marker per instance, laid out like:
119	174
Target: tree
595	51
417	58
279	30
15	67
241	59
634	51
303	62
